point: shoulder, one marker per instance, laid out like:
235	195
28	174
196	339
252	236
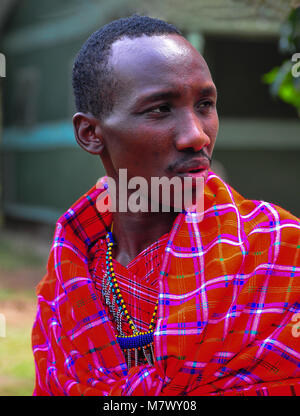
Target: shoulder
250	214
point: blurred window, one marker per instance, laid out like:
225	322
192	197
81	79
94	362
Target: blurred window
26	96
237	66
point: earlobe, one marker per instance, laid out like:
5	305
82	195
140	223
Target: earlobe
87	132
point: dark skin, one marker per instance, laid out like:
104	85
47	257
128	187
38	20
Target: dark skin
165	114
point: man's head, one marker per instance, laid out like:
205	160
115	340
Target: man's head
93	80
161	120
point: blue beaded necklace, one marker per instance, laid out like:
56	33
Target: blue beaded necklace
139	344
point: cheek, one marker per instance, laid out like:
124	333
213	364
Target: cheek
137	147
213	128
133	154
216	123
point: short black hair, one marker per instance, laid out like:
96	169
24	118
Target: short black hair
93	80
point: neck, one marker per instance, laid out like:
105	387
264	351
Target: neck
134	232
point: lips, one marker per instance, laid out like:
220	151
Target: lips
194	166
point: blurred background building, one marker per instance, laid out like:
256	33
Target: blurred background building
43	169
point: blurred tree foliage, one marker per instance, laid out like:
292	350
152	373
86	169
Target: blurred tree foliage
281	80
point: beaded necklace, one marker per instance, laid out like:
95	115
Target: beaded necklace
139	344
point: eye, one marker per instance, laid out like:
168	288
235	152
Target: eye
164	108
205	105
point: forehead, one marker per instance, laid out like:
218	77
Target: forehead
148	62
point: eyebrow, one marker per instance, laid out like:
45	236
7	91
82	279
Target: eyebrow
172	93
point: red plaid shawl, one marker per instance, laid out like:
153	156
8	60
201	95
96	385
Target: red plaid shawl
229	290
138	281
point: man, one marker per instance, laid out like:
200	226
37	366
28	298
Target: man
149	303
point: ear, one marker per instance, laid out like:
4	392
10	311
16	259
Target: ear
87	132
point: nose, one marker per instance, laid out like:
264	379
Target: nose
191	133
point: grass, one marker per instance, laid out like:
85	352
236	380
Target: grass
17	367
20	267
12	259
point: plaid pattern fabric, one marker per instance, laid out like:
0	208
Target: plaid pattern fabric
138	281
229	288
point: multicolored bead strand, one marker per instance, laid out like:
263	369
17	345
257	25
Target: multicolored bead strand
138	341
